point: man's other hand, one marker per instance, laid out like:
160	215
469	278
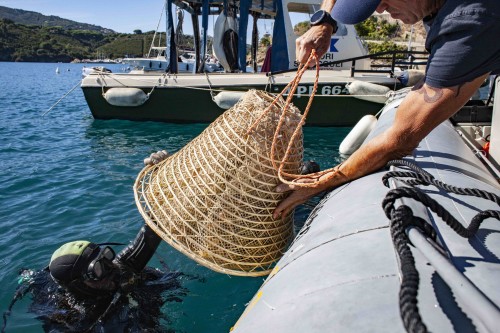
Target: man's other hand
318	38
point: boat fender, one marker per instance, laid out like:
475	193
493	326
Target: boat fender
368	91
227	99
410	77
222	28
125	97
357	135
230	46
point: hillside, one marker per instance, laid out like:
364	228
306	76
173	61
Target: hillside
46	44
31	36
19	42
33	18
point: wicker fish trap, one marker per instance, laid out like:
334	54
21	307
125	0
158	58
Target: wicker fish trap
213	199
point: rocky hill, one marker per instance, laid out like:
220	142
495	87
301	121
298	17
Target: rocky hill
19	42
31	36
36	19
403	31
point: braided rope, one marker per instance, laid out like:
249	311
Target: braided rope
403	217
294	83
408	303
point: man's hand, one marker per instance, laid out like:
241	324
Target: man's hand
318	38
156	158
301	194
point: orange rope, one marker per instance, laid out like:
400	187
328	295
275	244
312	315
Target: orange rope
294	83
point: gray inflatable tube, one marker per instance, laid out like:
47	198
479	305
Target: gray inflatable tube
341	274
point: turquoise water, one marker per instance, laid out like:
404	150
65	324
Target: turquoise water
66	176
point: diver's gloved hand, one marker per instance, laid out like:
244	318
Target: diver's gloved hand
156	158
128	279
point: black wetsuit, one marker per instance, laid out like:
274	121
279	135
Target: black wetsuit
139	310
134	308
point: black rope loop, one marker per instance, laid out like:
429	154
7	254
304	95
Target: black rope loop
450	220
409	165
418	179
426	178
416	194
388	205
402	218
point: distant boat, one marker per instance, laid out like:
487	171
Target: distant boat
57	70
156	59
95	70
159	62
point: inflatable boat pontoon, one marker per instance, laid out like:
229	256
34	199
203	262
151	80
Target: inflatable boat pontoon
348	269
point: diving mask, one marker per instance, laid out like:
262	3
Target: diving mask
101	265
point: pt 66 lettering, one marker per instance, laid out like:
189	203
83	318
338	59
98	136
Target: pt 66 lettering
325	90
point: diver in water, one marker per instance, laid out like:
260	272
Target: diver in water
87	288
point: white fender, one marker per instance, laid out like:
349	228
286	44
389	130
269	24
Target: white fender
357	135
222	24
125	96
227	99
374	92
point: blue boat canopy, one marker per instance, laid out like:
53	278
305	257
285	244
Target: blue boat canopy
258	9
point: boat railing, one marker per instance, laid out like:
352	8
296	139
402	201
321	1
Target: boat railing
390	60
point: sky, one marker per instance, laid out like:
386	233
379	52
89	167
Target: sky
119	15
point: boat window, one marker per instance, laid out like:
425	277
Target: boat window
300	15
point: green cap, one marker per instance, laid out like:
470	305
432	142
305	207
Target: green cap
70	262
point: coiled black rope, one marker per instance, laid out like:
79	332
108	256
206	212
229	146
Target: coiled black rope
402	217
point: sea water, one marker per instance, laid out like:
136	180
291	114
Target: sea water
65	176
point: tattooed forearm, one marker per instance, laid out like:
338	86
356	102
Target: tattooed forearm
438	93
420	88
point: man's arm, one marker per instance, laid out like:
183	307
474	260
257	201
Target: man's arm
318	37
421	111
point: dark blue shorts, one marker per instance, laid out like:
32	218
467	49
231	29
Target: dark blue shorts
464	42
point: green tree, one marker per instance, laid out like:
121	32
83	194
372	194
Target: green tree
265	40
300	28
376	28
384	46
